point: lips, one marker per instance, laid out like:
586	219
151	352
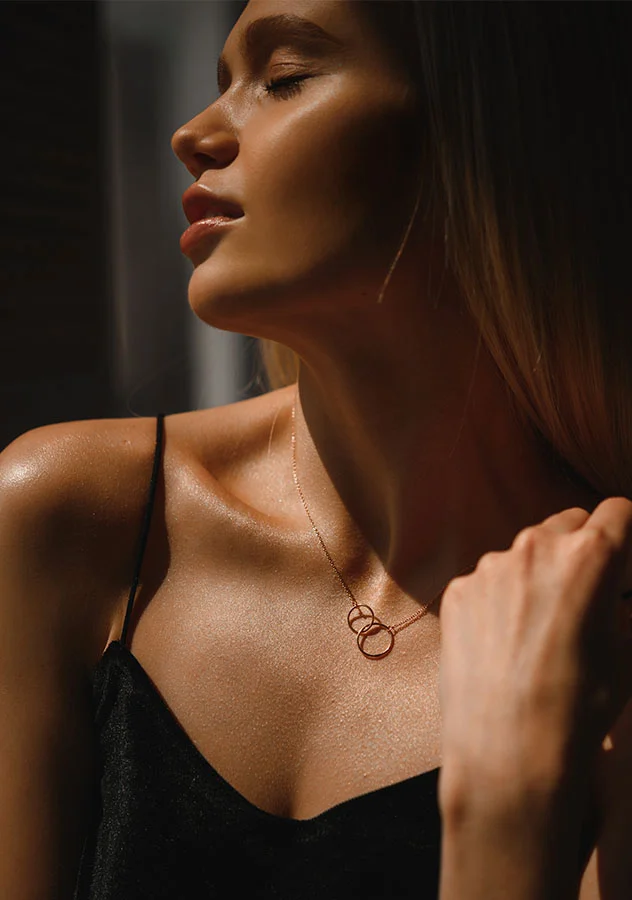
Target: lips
199	202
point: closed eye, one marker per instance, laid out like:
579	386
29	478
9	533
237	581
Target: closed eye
285	86
261	36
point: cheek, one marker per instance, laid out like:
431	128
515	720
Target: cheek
327	193
336	172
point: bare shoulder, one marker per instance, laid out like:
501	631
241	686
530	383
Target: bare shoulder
59	505
62	476
69	497
74	494
67	468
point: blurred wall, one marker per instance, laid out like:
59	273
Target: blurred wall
94	316
161	71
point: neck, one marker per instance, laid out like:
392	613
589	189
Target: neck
410	476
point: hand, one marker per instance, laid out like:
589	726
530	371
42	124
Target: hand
536	653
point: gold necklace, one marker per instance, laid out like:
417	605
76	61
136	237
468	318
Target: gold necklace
359	611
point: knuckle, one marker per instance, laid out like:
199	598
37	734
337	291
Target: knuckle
454	588
488	560
578	511
593	539
527	538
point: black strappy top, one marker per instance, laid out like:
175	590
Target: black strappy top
166	826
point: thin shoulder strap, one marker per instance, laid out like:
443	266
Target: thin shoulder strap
146	523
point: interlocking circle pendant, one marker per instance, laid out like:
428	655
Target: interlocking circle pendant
356	616
373	629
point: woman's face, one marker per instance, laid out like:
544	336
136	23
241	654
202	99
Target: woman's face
325	169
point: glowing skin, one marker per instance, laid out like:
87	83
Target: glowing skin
431	467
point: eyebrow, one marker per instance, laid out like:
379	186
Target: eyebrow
259	32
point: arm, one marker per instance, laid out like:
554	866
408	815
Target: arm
485	849
46	760
504	845
536	667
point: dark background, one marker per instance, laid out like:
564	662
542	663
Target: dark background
53	269
73	343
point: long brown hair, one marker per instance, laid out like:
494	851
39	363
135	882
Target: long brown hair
527	112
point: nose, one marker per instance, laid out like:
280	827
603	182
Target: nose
201	147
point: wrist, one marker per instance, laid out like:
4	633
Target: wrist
501	854
468	789
509	831
535	775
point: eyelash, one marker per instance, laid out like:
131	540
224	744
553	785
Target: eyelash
291	85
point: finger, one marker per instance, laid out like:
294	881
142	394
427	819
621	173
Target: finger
614	517
567	520
617	524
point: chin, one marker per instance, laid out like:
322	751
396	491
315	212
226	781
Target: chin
257	303
252	313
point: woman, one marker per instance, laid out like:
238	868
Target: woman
380	648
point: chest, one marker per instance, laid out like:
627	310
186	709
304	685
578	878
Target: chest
262	672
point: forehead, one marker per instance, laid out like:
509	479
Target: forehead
342	19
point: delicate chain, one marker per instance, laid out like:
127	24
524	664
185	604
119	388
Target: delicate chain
358	611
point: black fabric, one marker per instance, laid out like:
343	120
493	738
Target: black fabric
169	826
166	825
